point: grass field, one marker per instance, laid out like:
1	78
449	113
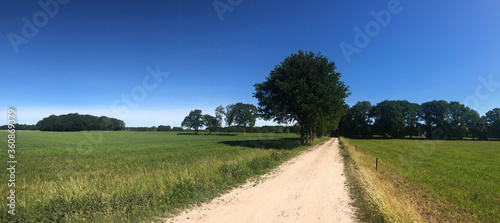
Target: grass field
455	181
130	176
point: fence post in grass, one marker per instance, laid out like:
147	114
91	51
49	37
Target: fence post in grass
355	147
376	164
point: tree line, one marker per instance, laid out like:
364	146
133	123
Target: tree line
239	114
19	127
78	122
433	119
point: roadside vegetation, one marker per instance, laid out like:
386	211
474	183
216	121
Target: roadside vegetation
126	176
426	180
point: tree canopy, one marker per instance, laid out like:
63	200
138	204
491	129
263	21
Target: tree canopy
433	119
163	128
194	120
77	122
219	113
493	122
210	122
244	115
303	88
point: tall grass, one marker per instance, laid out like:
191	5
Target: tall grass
131	176
423	180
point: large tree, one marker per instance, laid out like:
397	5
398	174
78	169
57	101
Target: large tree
210	122
445	120
458	117
194	120
219	113
493	122
477	126
435	115
304	88
361	122
229	116
397	119
356	122
244	115
389	118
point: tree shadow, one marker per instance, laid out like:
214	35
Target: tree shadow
283	143
205	134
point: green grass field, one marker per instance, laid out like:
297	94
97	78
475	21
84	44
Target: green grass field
450	180
130	176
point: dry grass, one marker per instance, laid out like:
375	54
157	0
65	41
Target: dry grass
380	187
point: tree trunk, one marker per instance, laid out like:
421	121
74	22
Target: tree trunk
302	135
244	131
311	131
314	133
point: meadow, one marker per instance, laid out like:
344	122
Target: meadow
424	180
128	176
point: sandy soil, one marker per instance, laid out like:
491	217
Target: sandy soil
308	188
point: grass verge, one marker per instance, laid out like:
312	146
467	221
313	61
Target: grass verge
377	199
366	210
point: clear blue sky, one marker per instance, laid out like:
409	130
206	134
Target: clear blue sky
87	55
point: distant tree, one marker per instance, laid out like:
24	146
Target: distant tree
493	122
477	126
194	120
443	120
177	129
361	122
163	128
229	116
389	118
210	122
244	115
153	129
303	88
457	118
219	113
19	127
345	125
434	114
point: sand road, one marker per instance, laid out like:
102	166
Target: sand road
308	188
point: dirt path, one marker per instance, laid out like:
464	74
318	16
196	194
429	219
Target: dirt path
308	188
